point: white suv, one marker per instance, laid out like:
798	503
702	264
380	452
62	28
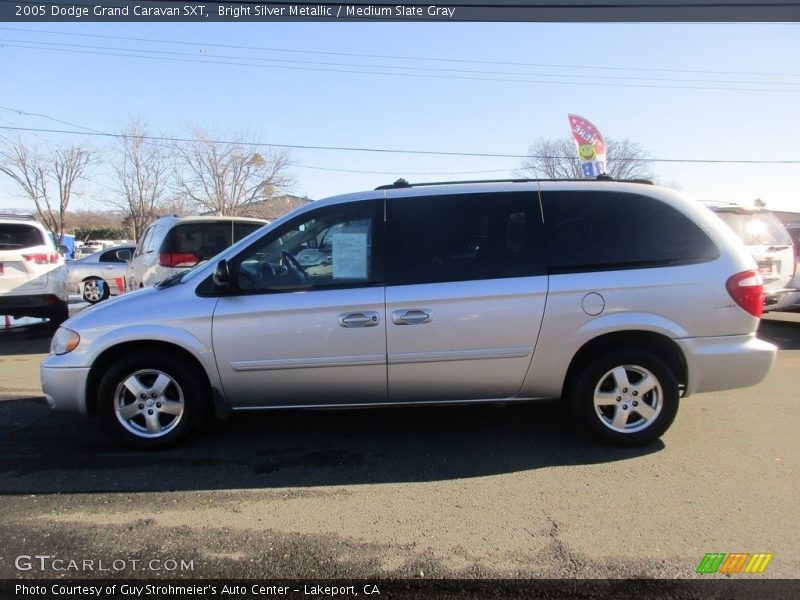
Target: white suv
769	243
619	298
33	278
173	245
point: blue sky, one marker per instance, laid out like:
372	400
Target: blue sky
329	107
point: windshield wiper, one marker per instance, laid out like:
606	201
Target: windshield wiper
171	280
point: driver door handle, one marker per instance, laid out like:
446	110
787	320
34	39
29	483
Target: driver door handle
414	316
358	319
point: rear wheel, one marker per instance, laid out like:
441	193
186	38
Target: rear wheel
94	290
627	397
151	400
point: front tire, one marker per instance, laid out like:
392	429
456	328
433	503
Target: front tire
627	397
151	400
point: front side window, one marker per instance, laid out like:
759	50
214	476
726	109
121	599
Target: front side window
153	237
598	231
144	242
464	237
116	256
334	246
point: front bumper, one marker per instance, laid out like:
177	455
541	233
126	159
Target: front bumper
727	362
64	387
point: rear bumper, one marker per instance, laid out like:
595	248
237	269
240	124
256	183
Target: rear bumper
29	305
724	363
789	298
64	388
780	299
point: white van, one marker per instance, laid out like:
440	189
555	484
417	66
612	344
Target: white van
770	244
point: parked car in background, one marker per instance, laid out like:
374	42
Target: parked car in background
172	245
622	299
792	301
100	275
769	243
33	278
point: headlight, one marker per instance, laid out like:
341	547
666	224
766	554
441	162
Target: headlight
65	340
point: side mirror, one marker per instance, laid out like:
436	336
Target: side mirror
222	277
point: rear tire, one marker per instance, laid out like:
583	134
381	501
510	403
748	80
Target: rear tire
151	399
95	290
626	397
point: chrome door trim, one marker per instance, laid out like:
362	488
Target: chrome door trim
450	355
308	363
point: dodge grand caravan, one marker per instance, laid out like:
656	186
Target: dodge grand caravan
619	298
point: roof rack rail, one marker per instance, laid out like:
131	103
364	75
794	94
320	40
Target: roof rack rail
402	183
16	216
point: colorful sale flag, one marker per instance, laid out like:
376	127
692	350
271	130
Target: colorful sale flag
590	145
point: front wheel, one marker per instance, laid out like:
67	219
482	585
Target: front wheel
151	400
627	397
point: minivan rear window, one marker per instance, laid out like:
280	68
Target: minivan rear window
599	231
205	240
756	228
15	236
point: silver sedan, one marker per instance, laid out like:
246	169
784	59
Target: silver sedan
101	274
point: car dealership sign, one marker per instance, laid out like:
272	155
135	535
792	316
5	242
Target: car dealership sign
590	145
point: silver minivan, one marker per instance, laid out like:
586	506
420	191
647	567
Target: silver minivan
621	299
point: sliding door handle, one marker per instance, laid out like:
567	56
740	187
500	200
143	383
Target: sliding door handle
414	316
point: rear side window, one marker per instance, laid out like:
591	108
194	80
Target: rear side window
14	236
464	237
597	231
205	240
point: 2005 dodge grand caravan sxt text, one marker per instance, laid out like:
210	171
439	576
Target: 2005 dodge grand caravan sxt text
618	297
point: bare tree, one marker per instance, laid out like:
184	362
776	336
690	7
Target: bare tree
46	178
556	158
226	177
142	173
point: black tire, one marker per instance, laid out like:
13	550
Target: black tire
93	298
59	314
626	414
143	370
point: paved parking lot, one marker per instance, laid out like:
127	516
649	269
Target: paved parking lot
479	492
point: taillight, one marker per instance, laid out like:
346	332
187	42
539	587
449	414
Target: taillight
177	259
43	258
747	290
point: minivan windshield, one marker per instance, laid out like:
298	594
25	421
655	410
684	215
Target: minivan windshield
756	228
